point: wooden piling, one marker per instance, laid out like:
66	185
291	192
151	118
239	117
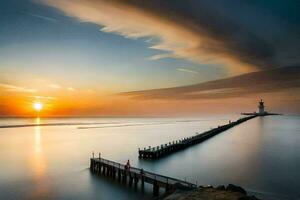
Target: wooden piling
155	188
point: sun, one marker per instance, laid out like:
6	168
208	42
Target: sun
38	106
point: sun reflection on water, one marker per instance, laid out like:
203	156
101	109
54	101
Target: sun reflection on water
37	133
38	160
38	163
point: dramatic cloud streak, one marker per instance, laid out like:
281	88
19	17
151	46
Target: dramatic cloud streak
268	81
187	70
14	88
200	31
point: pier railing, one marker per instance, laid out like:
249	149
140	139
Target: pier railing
147	174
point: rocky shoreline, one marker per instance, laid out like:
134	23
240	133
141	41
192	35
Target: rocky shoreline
230	192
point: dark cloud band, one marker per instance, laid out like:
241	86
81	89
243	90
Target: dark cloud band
233	33
267	81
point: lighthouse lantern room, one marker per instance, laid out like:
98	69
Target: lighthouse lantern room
261	107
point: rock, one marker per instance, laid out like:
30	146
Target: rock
248	198
253	198
235	188
181	187
209	193
221	187
205	186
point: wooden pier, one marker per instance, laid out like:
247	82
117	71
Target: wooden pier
133	176
168	148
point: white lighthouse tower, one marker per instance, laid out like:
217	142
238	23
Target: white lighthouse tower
261	107
261	110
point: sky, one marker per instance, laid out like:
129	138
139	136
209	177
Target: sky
148	58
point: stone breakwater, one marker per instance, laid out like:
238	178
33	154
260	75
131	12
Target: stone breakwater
171	147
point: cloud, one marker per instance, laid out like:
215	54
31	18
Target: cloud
50	19
187	70
237	34
160	56
44	97
54	86
14	88
71	89
267	81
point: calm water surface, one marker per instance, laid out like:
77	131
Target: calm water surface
51	161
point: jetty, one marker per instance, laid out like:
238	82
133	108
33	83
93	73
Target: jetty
132	176
168	148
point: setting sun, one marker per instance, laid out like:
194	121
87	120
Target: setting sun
38	106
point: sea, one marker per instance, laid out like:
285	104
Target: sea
49	158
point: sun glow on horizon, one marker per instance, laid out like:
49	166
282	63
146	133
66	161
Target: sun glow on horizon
38	106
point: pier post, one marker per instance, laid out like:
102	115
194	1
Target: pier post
109	171
100	168
119	175
124	178
168	188
155	189
92	165
136	180
104	169
143	183
114	172
130	179
97	168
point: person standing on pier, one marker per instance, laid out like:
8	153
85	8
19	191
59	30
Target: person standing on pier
127	166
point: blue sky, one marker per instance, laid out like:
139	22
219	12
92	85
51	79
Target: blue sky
40	41
96	49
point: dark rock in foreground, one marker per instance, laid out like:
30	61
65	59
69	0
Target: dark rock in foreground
231	192
221	187
234	188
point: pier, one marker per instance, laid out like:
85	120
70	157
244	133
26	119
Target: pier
168	148
133	176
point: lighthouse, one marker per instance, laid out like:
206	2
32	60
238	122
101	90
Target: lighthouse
261	110
261	107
